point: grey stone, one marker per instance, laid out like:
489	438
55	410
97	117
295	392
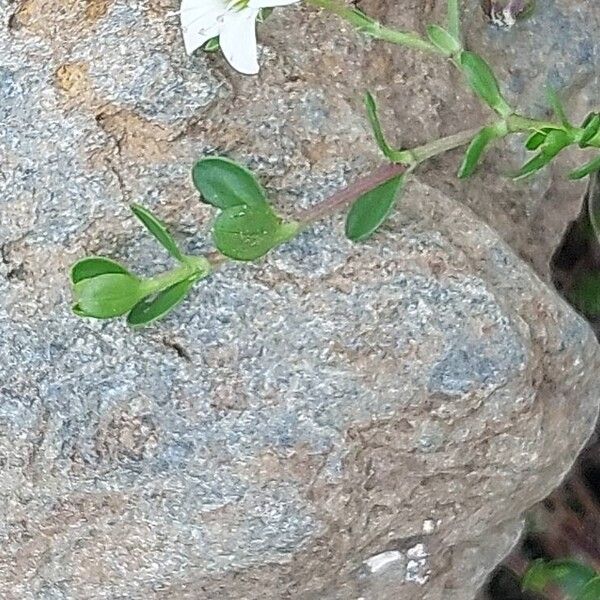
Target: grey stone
293	420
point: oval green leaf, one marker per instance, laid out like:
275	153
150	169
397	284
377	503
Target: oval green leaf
247	233
585	295
483	82
570	576
590	129
212	45
443	40
556	140
539	161
93	266
155	307
225	184
106	296
585	170
371	210
475	150
158	230
372	114
538	137
591	591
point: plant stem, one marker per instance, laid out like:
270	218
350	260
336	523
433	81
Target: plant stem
348	195
520	124
374	28
344	198
431	149
194	266
454	18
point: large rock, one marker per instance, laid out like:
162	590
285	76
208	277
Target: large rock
294	422
338	422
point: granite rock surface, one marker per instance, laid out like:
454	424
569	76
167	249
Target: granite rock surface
338	422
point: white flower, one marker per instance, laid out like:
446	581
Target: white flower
234	21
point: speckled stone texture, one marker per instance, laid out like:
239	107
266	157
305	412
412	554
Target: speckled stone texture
338	422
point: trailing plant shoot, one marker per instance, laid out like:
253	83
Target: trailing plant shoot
246	227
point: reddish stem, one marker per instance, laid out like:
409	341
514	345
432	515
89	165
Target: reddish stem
348	195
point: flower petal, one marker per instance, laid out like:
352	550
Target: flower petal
201	20
270	3
238	40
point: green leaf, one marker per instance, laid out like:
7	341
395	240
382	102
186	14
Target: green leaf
535	140
591	591
224	184
585	170
539	161
155	307
247	233
93	266
590	129
538	137
555	141
106	296
362	21
371	210
557	107
212	45
570	576
372	114
585	294
475	150
443	40
158	230
264	14
483	82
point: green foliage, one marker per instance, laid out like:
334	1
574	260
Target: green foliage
246	227
554	141
454	19
587	169
558	108
591	591
443	40
156	306
103	289
371	210
585	294
538	137
212	45
247	233
158	230
396	156
483	82
574	579
94	266
475	150
107	295
362	21
224	184
591	127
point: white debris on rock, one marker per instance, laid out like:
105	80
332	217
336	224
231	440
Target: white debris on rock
381	561
417	570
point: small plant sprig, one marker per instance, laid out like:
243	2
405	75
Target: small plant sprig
575	580
246	226
104	289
